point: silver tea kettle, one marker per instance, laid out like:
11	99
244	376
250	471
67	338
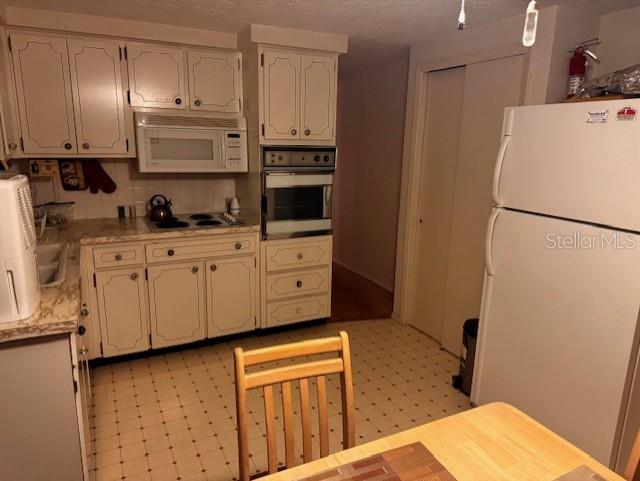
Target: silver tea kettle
160	208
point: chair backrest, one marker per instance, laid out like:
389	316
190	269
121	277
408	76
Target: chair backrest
285	375
632	472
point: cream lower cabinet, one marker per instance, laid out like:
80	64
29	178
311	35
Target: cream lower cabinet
231	294
122	307
177	303
296	280
166	292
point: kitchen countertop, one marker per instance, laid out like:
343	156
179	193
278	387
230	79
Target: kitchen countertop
59	305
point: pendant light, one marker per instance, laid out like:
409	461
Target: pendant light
462	18
530	24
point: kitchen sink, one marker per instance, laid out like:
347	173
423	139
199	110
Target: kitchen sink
52	263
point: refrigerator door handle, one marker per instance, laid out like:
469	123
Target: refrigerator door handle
504	144
488	254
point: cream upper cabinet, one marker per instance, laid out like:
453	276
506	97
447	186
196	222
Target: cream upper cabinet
156	76
97	96
298	96
281	95
215	80
231	294
122	306
43	88
177	303
318	84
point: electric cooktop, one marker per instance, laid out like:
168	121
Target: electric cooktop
202	220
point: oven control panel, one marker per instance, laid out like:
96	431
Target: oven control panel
285	158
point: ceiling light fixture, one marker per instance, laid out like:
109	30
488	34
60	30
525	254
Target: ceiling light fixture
530	24
462	18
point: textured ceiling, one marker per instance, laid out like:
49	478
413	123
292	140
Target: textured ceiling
385	24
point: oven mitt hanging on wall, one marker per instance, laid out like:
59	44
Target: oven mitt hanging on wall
97	178
72	175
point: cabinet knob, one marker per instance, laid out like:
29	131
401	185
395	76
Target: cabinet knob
294	132
170	252
214	267
84	351
238	246
298	310
307	131
84	312
299	284
197	102
299	256
86	145
81	330
134	276
68	146
194	269
118	257
13	145
178	100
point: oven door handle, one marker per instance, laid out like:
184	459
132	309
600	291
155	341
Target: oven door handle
327	204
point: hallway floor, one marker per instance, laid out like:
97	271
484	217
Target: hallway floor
355	298
171	416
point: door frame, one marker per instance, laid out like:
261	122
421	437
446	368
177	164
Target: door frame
407	240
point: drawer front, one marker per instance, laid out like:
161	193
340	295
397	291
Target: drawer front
299	283
116	256
282	255
194	249
297	310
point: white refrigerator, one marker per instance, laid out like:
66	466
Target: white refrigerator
559	326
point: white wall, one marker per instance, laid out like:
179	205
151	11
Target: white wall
620	36
371	105
189	192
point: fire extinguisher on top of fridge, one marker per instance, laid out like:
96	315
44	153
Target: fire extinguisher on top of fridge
578	64
577	70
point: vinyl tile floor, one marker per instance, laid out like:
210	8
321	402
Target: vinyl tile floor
171	416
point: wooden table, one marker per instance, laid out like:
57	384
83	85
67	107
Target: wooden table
490	443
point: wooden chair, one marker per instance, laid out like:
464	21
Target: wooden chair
284	375
632	472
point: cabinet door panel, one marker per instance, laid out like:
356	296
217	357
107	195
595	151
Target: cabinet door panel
122	305
231	293
297	283
297	310
317	97
156	76
281	109
43	88
97	96
177	303
215	82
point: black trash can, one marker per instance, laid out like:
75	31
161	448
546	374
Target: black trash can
464	378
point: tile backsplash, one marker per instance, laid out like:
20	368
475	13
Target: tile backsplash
189	192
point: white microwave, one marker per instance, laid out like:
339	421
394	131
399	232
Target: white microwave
188	143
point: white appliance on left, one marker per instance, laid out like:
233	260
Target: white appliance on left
19	287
